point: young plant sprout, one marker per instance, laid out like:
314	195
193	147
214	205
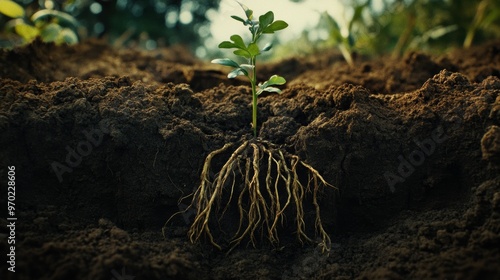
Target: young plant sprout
265	25
260	179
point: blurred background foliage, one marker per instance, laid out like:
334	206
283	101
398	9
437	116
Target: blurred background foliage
394	27
145	23
369	27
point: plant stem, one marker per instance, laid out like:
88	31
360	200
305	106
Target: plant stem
253	81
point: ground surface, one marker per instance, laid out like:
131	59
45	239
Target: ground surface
104	143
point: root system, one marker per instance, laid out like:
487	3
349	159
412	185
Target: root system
265	180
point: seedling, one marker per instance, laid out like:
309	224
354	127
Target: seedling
345	42
49	25
265	25
260	178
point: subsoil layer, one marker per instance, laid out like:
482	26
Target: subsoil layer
105	142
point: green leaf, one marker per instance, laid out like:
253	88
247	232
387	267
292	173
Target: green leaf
253	49
335	32
237	72
227	45
276	80
269	89
240	19
60	16
238	41
357	16
267	47
28	32
50	32
490	18
226	62
67	36
247	67
266	19
11	9
11	24
248	12
243	53
275	26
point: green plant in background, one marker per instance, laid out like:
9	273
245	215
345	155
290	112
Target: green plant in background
345	42
487	12
50	25
399	26
265	25
263	178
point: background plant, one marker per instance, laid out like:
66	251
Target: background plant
396	27
345	41
487	13
249	51
50	25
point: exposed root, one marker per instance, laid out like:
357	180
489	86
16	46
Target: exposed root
261	209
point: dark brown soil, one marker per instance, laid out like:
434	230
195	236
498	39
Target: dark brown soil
105	142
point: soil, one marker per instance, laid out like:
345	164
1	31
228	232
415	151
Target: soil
106	141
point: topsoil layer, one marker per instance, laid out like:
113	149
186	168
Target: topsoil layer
105	142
